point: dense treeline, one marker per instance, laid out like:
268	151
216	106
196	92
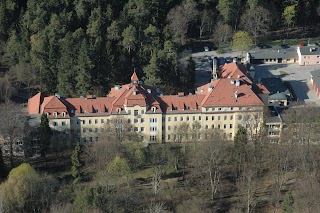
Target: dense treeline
81	47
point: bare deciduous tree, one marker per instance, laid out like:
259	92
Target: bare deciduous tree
180	17
256	21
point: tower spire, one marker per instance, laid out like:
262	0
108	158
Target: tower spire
134	77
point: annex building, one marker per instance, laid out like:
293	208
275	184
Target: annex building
224	104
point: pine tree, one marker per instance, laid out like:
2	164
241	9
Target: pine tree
76	164
84	67
190	75
44	136
287	205
152	71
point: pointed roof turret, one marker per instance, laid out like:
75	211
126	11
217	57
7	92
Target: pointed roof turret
134	78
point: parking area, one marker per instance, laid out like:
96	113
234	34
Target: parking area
298	76
203	70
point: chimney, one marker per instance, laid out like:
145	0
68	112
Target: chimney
180	94
234	59
134	92
232	81
238	76
212	80
116	87
237	83
149	91
210	88
310	49
57	95
236	94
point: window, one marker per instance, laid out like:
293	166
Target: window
153	129
153	138
175	119
142	120
55	114
181	118
55	124
96	121
213	109
102	121
230	135
135	120
142	129
199	118
169	137
63	114
212	118
90	139
225	117
136	112
169	119
96	130
83	121
119	110
97	138
169	128
207	118
153	120
231	117
207	109
84	130
63	123
90	121
231	108
153	109
224	126
194	118
206	127
188	118
224	135
129	112
219	118
175	127
218	126
142	111
129	121
231	126
220	109
72	111
135	129
212	127
90	130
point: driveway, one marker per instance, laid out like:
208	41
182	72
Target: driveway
298	76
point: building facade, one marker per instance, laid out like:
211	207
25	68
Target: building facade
224	104
308	55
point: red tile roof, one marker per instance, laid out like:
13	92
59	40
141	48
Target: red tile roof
134	77
234	70
220	92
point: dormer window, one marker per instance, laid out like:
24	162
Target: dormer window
153	109
106	109
72	111
55	114
63	114
47	114
119	110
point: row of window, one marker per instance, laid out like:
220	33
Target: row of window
207	118
219	126
219	109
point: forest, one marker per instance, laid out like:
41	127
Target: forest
84	47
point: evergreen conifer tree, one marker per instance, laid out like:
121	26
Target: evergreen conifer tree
76	164
44	136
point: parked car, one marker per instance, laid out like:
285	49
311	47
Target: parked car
206	49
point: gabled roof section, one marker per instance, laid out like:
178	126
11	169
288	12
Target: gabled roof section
182	104
34	103
227	94
53	102
234	70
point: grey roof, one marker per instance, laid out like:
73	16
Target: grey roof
316	77
273	119
275	85
278	96
310	50
274	52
